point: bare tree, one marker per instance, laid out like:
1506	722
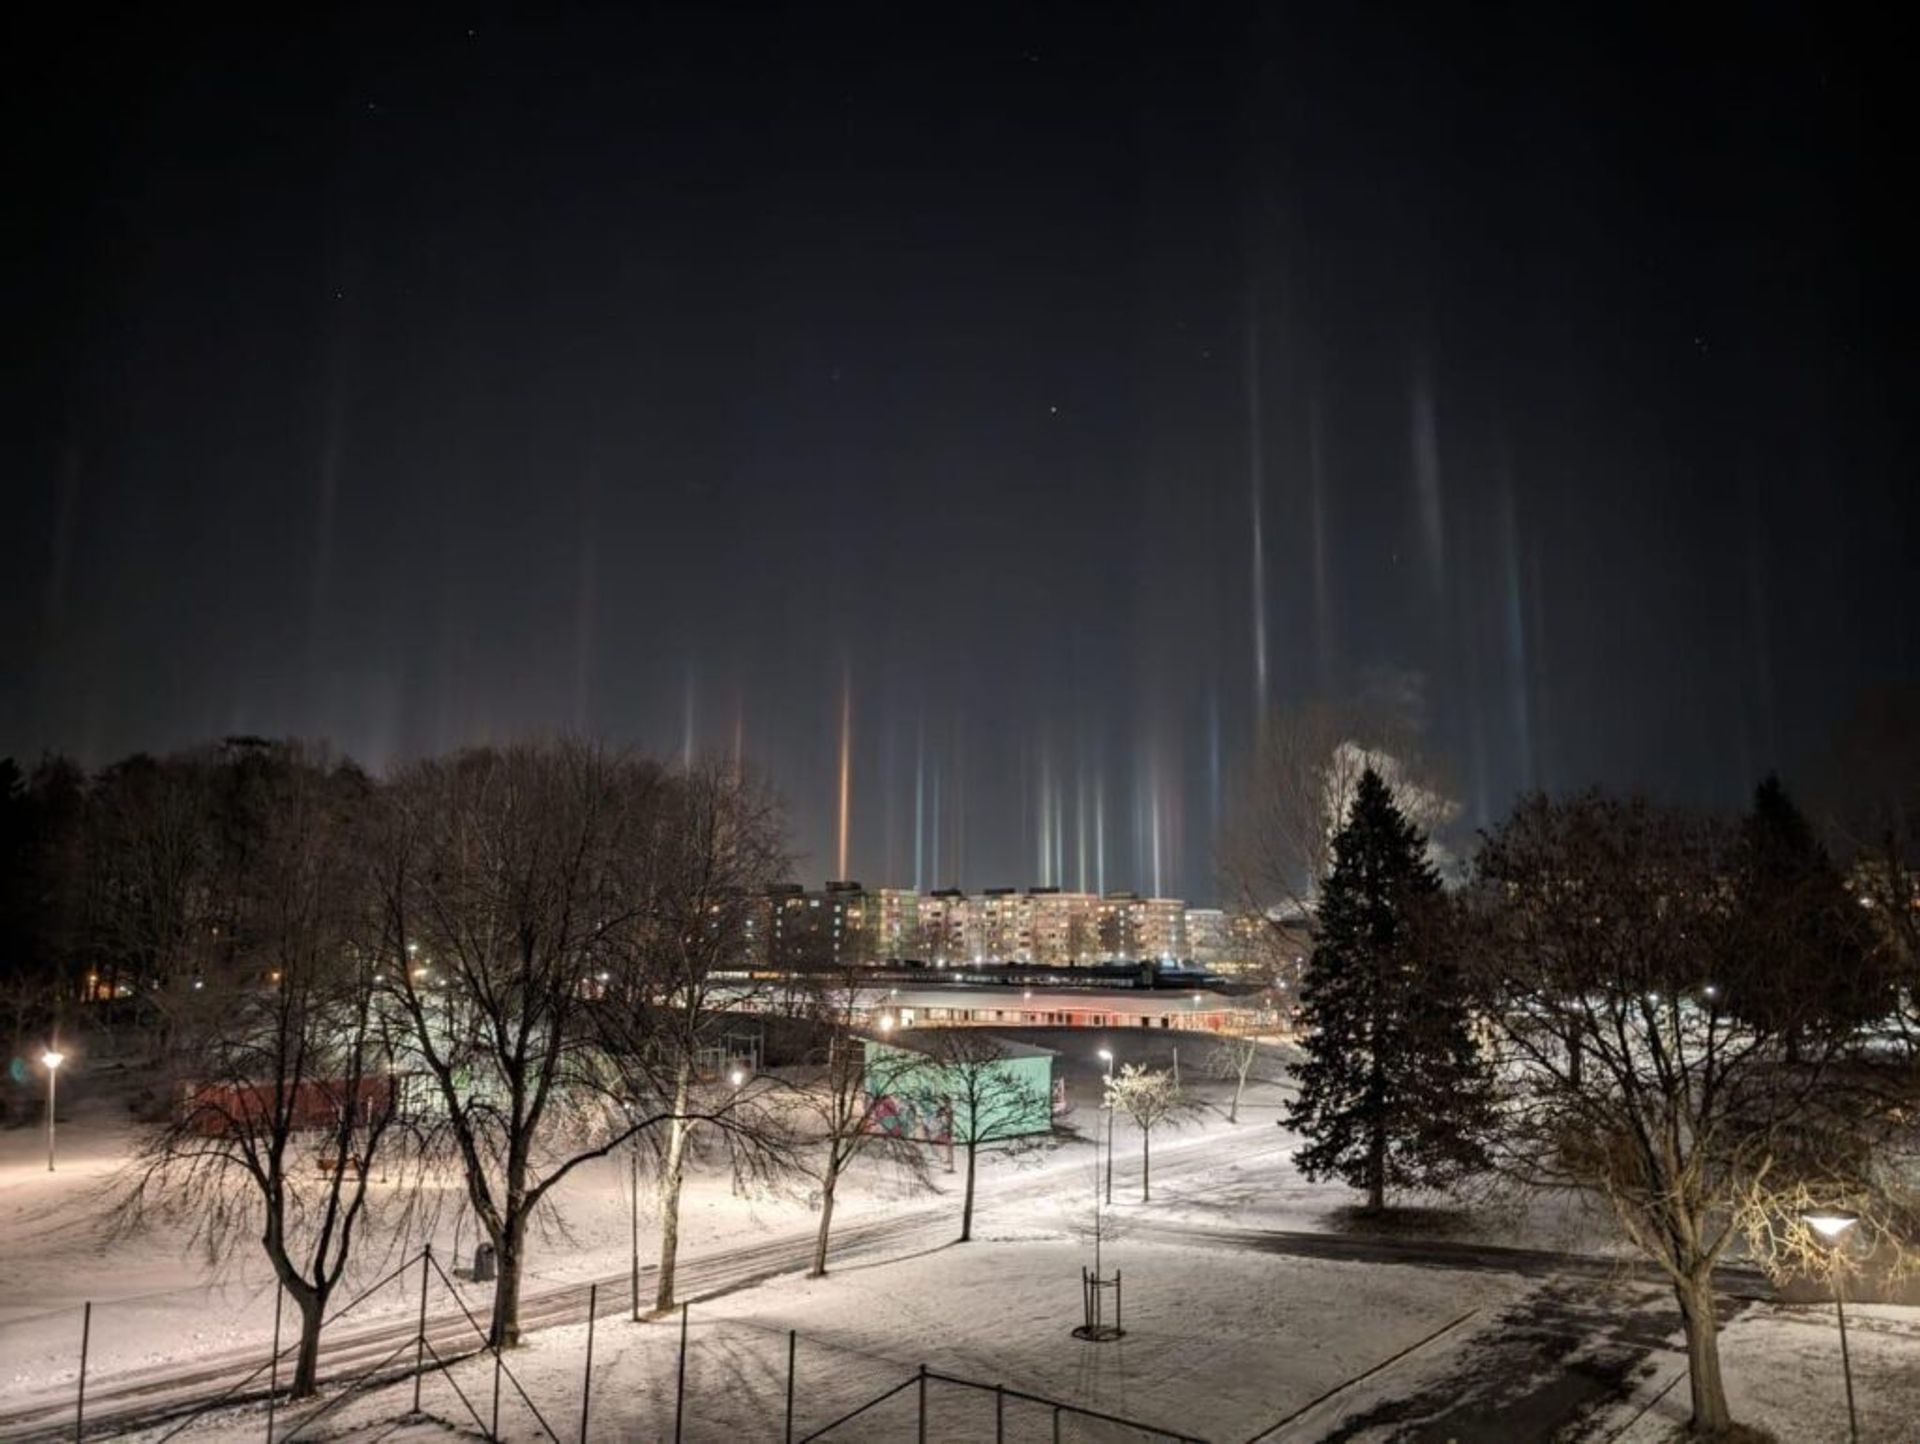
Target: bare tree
850	1099
1612	958
149	855
986	1100
717	847
1233	1057
505	878
1150	1097
278	1048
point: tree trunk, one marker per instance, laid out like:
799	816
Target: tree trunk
819	1268
306	1369
1146	1164
670	1182
505	1330
966	1209
1710	1412
1377	1168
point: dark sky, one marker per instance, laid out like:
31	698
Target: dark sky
660	371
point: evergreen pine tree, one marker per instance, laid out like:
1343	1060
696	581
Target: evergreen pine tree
1810	966
1392	1092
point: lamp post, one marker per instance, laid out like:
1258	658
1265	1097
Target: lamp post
53	1058
1832	1224
1106	1056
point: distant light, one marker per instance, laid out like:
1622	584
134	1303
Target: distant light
1711	991
197	985
736	1077
53	1058
1106	1055
886	1022
1830	1223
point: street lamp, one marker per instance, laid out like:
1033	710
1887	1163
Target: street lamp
52	1058
1106	1056
1832	1224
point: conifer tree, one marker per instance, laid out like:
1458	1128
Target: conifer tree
1392	1092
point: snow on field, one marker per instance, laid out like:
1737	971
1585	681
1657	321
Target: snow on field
1782	1366
1218	1346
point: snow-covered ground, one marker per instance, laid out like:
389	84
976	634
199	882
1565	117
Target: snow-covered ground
1218	1346
1225	1337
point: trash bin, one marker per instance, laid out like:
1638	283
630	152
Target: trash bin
483	1264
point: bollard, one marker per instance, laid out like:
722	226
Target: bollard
793	1341
680	1384
586	1381
420	1339
80	1399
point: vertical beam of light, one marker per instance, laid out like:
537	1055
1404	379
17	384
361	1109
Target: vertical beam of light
1100	833
1425	429
1080	828
846	771
1542	708
1042	821
920	808
686	725
1761	635
935	838
891	794
1256	468
959	804
586	603
1516	634
1059	832
1317	526
1158	889
1215	782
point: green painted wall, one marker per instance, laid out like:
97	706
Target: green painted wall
922	1086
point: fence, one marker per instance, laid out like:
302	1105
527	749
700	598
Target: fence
414	1345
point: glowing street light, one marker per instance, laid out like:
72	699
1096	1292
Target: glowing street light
1832	1224
886	1022
52	1058
737	1077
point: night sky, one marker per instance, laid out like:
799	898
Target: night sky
673	373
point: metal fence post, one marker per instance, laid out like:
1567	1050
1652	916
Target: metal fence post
420	1339
1056	1424
999	1413
680	1384
586	1382
273	1364
923	1404
494	1432
793	1341
80	1398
